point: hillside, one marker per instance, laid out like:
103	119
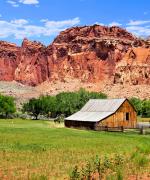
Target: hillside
98	58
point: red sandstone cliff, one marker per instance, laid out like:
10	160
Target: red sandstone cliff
90	53
9	59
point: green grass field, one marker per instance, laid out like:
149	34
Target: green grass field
143	119
32	149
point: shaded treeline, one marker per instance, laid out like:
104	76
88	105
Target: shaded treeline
65	103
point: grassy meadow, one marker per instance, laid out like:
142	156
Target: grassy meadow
41	150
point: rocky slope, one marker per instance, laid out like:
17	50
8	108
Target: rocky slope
97	55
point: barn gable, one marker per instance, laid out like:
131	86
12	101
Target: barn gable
96	110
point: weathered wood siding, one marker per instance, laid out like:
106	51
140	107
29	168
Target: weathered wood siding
118	119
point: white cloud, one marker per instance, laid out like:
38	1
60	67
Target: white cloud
43	20
115	24
110	24
101	24
19	22
139	30
29	1
139	27
137	22
20	28
59	24
13	3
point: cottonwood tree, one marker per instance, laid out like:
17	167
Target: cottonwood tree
33	107
7	105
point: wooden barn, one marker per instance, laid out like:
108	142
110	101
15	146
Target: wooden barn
102	114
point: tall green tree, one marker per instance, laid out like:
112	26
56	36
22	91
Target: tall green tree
67	103
49	106
33	107
137	103
145	110
86	96
7	105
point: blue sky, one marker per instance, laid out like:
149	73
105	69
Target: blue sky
42	20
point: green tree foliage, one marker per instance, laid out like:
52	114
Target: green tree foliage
65	103
85	96
145	110
33	107
49	105
71	102
7	105
142	106
137	103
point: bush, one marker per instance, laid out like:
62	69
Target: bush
7	106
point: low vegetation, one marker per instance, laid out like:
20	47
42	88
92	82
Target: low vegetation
44	150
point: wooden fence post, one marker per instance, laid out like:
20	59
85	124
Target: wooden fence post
122	128
142	131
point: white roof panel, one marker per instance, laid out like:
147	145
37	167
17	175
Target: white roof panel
102	105
88	116
96	109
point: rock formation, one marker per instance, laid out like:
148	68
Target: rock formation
95	54
9	59
32	68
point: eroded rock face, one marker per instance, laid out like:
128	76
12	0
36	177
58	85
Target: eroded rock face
9	54
134	68
90	53
33	66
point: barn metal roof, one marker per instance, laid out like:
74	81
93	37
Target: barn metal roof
102	105
96	110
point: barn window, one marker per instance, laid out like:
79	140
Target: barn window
127	116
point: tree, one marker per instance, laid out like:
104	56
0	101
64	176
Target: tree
71	102
67	103
86	96
145	110
33	107
137	103
7	105
49	106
